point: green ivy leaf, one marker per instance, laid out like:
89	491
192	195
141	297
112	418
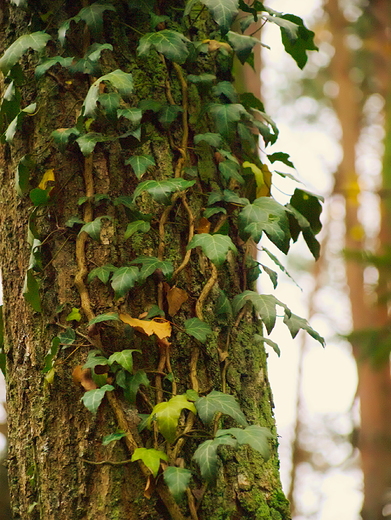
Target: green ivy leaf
171	44
103	273
167	415
264	304
93	398
201	78
74	315
297	46
225	116
215	247
206	456
242	45
51	355
209	212
223	305
138	226
94	228
281	157
210	138
295	323
113	437
124	358
134	115
223	12
22	174
198	329
161	190
109	316
87	142
255	436
94	359
146	6
278	264
63	136
230	170
168	113
110	103
17	121
140	163
67	337
133	383
150	264
261	339
122	81
177	480
30	291
150	457
226	89
51	62
92	15
265	215
124	279
36	41
218	402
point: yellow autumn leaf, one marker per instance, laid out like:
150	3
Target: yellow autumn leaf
263	178
214	45
161	328
47	177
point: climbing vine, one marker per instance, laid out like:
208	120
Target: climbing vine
222	211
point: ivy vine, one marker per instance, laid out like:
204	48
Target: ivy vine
240	204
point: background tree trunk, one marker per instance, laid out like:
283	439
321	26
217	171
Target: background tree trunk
53	440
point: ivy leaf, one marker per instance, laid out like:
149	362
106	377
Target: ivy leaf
87	142
51	62
17	121
109	316
261	339
124	358
264	304
36	41
168	114
94	228
278	264
177	480
230	170
134	115
143	5
140	164
225	116
210	138
93	16
206	455
242	45
113	437
297	46
22	174
309	206
133	385
218	402
30	291
93	398
201	78
150	264
94	359
122	81
167	415
265	215
138	226
110	102
295	323
215	247
62	137
223	305
67	337
161	327
74	315
150	457
223	12
161	190
198	329
103	273
281	157
255	436
171	44
124	279
226	89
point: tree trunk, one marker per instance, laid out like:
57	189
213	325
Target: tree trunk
58	466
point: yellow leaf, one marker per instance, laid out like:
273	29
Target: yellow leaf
159	326
47	177
215	45
263	178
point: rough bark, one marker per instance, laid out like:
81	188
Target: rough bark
53	440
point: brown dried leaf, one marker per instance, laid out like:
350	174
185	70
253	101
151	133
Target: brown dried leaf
203	225
215	45
161	328
82	376
149	487
176	297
